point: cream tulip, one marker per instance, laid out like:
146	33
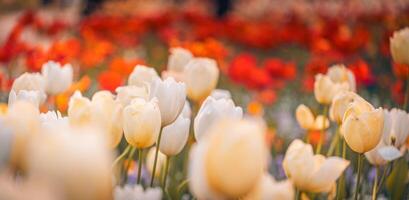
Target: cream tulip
220	94
79	110
341	102
382	154
325	89
142	75
150	159
216	169
340	74
309	172
362	126
307	121
213	110
33	96
186	111
201	76
107	115
395	130
126	94
267	188
178	59
58	79
76	162
171	97
399	44
174	136
141	122
52	120
30	82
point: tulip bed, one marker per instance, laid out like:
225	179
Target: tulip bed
149	100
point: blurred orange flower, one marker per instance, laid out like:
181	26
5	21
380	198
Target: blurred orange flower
110	80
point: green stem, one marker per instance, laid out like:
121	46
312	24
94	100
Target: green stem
156	158
375	184
140	159
319	146
297	194
166	172
382	179
341	182
334	143
182	184
358	178
120	157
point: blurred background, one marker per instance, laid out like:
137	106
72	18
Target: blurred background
268	50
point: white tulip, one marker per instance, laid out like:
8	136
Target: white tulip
79	110
221	94
213	110
382	154
174	136
137	192
325	89
171	98
268	189
340	74
126	94
178	59
29	81
150	160
186	111
396	127
142	75
53	120
201	76
33	96
309	172
141	122
58	79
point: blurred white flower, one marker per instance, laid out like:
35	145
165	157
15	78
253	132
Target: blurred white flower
340	74
136	192
174	136
267	188
399	43
29	81
150	159
58	78
220	94
33	96
53	120
79	110
126	94
201	76
307	121
213	110
142	75
396	127
171	97
325	89
178	59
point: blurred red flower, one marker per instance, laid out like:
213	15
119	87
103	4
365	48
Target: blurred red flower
109	80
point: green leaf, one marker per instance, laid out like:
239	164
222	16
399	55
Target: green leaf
395	183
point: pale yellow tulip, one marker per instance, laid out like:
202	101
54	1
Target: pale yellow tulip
399	46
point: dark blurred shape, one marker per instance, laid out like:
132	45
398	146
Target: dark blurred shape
91	6
222	7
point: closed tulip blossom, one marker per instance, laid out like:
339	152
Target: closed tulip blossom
107	115
341	102
33	96
178	59
201	76
53	120
142	75
216	168
174	136
362	126
141	122
340	74
126	94
79	110
28	84
171	96
309	172
220	94
150	160
325	89
399	43
308	121
58	78
213	110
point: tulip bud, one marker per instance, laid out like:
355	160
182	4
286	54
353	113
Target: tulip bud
340	103
171	98
215	167
304	117
362	127
325	89
399	43
268	188
79	110
76	162
58	79
33	96
150	159
220	94
340	74
309	172
29	81
213	110
396	130
174	136
107	115
178	59
141	123
201	76
126	94
142	75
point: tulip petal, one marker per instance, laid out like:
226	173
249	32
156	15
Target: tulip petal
389	153
327	174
